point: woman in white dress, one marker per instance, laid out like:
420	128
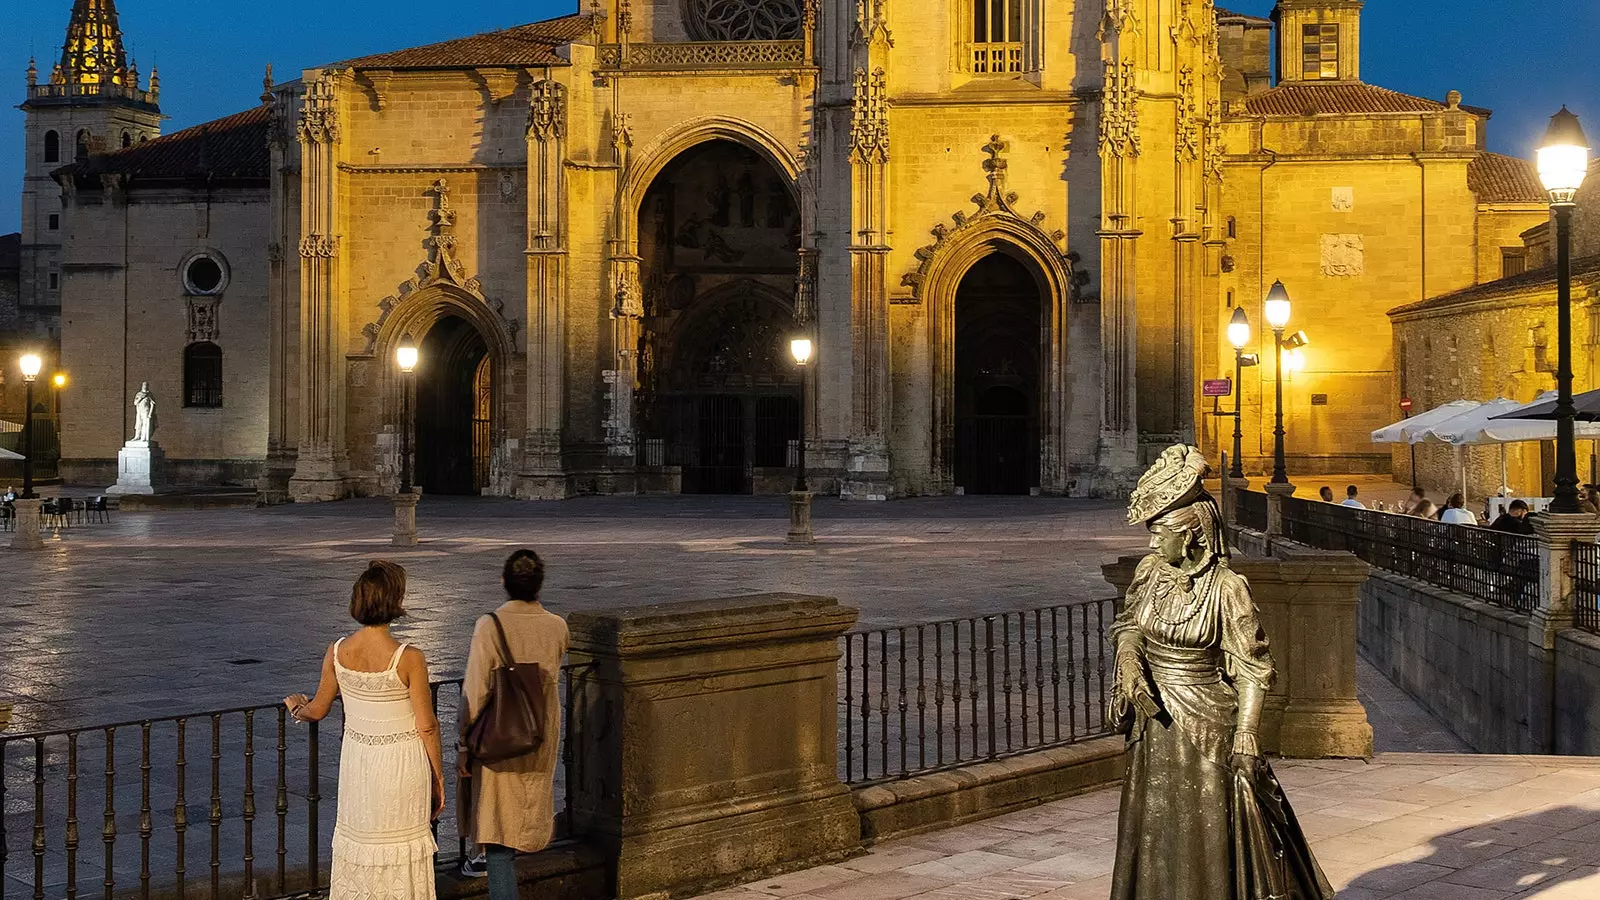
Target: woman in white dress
391	773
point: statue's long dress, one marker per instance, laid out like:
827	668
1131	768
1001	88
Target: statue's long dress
1176	835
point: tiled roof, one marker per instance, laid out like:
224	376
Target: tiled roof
11	250
1230	14
1531	283
1337	98
1505	179
524	45
230	147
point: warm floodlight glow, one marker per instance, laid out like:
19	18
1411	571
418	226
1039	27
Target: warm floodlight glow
800	347
31	363
1277	306
1239	329
406	355
1294	360
1563	158
60	380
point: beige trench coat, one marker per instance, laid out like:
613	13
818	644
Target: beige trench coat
513	802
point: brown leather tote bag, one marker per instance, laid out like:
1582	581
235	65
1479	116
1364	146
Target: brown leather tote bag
511	723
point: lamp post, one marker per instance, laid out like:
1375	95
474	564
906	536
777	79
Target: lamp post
1563	162
405	502
1238	336
27	506
800	532
1277	312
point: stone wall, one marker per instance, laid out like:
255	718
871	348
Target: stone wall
1464	661
1577	699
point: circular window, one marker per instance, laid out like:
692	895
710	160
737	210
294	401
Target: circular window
203	275
744	20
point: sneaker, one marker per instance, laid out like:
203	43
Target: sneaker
475	866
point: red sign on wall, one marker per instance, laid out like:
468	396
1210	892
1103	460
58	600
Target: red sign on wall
1218	387
1405	404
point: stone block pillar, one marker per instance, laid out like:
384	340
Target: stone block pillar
1556	534
704	740
26	537
1231	489
1276	494
1307	602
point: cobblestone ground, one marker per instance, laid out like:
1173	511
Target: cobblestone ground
167	612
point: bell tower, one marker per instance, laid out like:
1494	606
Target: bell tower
1318	40
92	102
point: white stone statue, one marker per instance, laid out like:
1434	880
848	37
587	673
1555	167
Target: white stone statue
144	419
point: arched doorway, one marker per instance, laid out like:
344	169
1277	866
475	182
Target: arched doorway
454	400
999	334
718	400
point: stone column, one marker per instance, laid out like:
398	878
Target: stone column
405	518
26	537
542	474
1231	489
1276	494
1556	534
704	740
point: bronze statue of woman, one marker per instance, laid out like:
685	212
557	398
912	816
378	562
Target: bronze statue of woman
1203	817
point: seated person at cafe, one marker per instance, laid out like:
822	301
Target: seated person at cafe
1326	493
1350	498
1514	519
1456	513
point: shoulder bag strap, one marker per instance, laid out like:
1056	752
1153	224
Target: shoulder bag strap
505	648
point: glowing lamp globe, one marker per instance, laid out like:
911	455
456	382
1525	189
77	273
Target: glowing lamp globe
1277	306
1563	158
1239	329
800	348
406	355
31	364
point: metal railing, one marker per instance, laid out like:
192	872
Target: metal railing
1586	585
1252	510
152	784
921	698
1493	566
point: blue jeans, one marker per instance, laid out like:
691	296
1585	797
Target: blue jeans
502	872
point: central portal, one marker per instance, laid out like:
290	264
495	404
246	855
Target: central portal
454	393
999	337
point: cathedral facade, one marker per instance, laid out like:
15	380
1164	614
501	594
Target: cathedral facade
1014	231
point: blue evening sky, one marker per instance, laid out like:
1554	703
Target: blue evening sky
1521	58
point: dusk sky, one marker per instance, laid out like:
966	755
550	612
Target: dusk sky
1521	58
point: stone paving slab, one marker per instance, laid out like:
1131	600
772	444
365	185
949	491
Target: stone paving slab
1405	826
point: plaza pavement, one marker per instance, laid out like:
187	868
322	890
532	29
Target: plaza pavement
1404	826
161	613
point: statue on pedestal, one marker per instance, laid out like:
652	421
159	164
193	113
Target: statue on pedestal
1203	817
144	415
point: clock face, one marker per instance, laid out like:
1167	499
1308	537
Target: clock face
743	20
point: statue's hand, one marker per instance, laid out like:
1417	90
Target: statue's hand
1247	763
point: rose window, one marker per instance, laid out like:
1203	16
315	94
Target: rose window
743	20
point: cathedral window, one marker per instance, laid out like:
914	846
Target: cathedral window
52	147
127	140
997	37
202	375
80	149
203	275
744	20
1319	51
55	281
55	222
1513	261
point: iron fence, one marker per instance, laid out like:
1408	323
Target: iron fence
921	698
1493	566
186	806
1586	584
1251	509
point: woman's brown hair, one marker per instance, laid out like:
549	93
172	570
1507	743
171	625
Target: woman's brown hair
378	597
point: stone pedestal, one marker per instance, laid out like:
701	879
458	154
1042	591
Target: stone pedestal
1276	494
405	518
1231	489
704	740
26	537
1556	533
141	469
1307	602
800	518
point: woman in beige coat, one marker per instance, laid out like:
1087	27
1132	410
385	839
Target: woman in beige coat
512	805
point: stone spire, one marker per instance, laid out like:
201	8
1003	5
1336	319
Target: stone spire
93	57
33	72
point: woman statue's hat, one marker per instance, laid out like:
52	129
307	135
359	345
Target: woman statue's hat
1174	480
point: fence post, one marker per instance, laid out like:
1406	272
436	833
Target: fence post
1231	489
1276	494
704	736
1556	534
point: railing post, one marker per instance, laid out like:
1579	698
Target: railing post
1231	489
1556	534
1276	495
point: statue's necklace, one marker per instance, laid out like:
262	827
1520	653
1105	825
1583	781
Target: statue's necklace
1190	609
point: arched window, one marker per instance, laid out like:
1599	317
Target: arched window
202	375
997	36
52	147
1233	227
127	140
81	146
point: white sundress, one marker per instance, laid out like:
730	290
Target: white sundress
383	845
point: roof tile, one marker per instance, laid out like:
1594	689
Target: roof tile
1505	179
230	147
1335	98
524	45
1533	281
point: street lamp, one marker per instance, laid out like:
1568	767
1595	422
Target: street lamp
31	363
801	348
1563	161
1277	311
1239	337
405	501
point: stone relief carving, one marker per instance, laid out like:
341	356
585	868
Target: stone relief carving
319	246
547	116
1189	122
1343	255
805	288
319	114
202	319
1120	18
744	20
626	289
1119	115
869	123
1344	199
998	202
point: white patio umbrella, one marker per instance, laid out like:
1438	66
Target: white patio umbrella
7	454
1474	427
1402	432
